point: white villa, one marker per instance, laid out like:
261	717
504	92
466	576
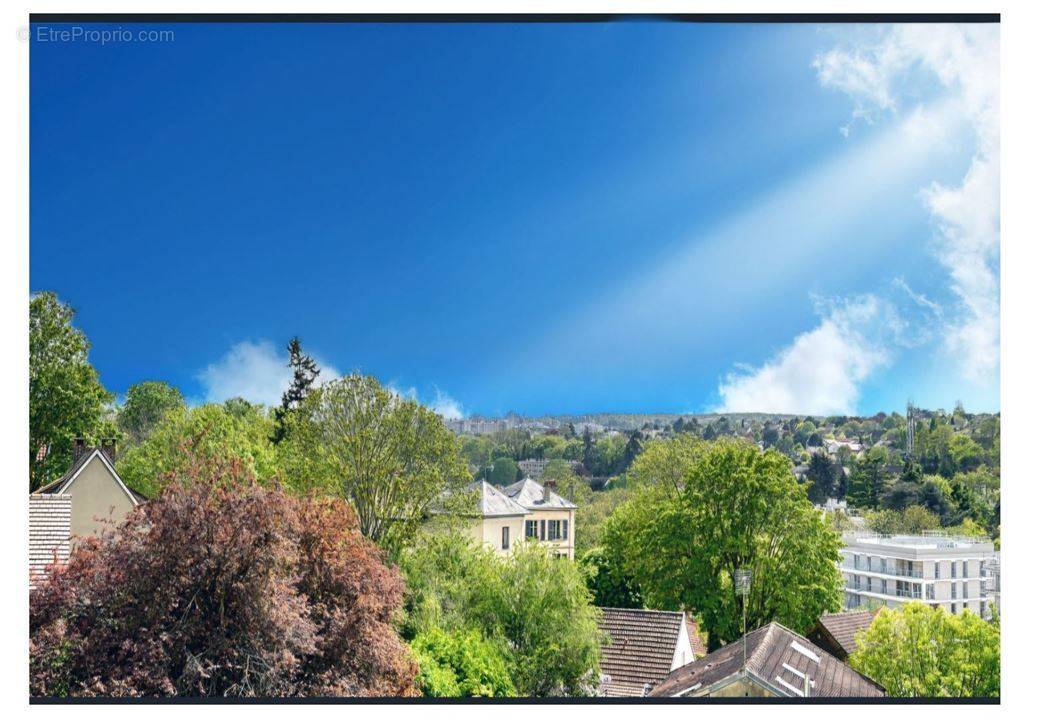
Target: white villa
524	510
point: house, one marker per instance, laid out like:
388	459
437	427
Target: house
940	570
502	519
99	499
779	663
837	633
533	468
551	517
642	648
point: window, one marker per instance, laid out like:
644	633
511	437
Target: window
953	596
543	529
554	529
965	571
505	537
531	529
952	608
883	587
953	568
930	592
964	591
937	570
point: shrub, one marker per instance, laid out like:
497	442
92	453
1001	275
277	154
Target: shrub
461	664
222	588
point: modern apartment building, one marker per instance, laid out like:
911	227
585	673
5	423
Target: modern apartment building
942	571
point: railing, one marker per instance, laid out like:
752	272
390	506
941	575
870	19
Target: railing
913	594
917	574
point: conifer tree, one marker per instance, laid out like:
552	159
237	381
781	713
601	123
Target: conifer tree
304	373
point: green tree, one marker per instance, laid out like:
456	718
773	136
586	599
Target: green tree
304	373
502	472
918	651
867	482
738	507
207	434
534	604
610	584
461	664
145	406
389	456
823	476
66	399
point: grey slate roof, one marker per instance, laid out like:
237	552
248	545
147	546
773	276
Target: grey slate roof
842	629
640	649
770	649
530	494
492	502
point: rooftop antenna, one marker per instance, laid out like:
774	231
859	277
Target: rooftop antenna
742	584
910	432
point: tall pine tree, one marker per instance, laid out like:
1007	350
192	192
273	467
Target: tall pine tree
304	373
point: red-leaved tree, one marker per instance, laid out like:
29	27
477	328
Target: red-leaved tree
223	587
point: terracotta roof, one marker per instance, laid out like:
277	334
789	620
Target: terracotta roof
49	533
640	650
772	650
694	633
843	627
530	495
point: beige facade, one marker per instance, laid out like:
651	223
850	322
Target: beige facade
99	499
525	511
501	533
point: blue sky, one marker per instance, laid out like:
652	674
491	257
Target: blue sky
633	217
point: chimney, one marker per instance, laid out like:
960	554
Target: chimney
109	447
548	487
80	446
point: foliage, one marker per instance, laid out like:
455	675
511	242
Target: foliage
220	588
737	507
461	664
665	463
867	483
145	405
919	651
215	435
593	509
66	399
503	472
304	373
824	477
534	604
389	456
913	520
610	584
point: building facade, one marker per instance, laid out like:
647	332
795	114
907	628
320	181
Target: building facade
524	511
941	571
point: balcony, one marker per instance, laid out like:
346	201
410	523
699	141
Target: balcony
888	572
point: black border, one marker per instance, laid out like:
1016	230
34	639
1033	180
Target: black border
512	18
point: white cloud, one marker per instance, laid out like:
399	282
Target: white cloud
446	406
821	372
963	60
441	402
255	371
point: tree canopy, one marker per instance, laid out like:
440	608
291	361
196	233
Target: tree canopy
387	455
214	434
534	605
919	651
737	507
66	398
220	588
145	405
